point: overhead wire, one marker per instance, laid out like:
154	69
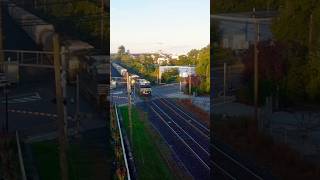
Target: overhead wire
38	21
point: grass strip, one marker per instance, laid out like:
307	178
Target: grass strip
148	160
47	161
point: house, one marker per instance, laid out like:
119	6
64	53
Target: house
184	71
238	30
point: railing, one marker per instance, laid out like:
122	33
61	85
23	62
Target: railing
122	145
23	173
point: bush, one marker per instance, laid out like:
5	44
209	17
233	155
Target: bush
170	76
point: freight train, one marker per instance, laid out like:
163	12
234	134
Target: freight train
142	86
81	58
42	33
93	79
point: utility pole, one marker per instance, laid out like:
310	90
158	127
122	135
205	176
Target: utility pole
35	4
159	75
311	29
7	114
158	71
311	33
64	87
256	70
189	77
189	83
77	107
129	105
45	6
102	23
180	88
60	110
224	81
1	41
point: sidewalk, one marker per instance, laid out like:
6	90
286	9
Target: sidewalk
233	109
202	102
173	91
301	130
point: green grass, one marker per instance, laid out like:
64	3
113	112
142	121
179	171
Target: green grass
47	161
9	165
147	157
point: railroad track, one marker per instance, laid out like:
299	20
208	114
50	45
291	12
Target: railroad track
229	167
187	136
195	137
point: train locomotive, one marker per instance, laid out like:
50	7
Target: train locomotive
93	79
143	89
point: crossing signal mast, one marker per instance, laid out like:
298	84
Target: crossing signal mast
129	104
256	69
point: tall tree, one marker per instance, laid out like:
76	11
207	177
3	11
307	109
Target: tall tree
203	68
298	22
224	6
193	56
121	50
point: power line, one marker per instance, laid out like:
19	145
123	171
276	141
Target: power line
38	21
47	4
35	23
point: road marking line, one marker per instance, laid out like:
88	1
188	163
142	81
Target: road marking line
30	99
22	98
36	113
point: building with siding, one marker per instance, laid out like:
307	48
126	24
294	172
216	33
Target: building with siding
238	30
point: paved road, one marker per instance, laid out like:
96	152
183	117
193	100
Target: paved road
31	108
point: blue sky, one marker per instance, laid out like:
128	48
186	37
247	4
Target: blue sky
174	26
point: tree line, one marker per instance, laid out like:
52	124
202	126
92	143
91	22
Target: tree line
290	62
79	19
227	6
147	65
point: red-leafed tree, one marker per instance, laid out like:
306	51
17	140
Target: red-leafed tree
272	68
